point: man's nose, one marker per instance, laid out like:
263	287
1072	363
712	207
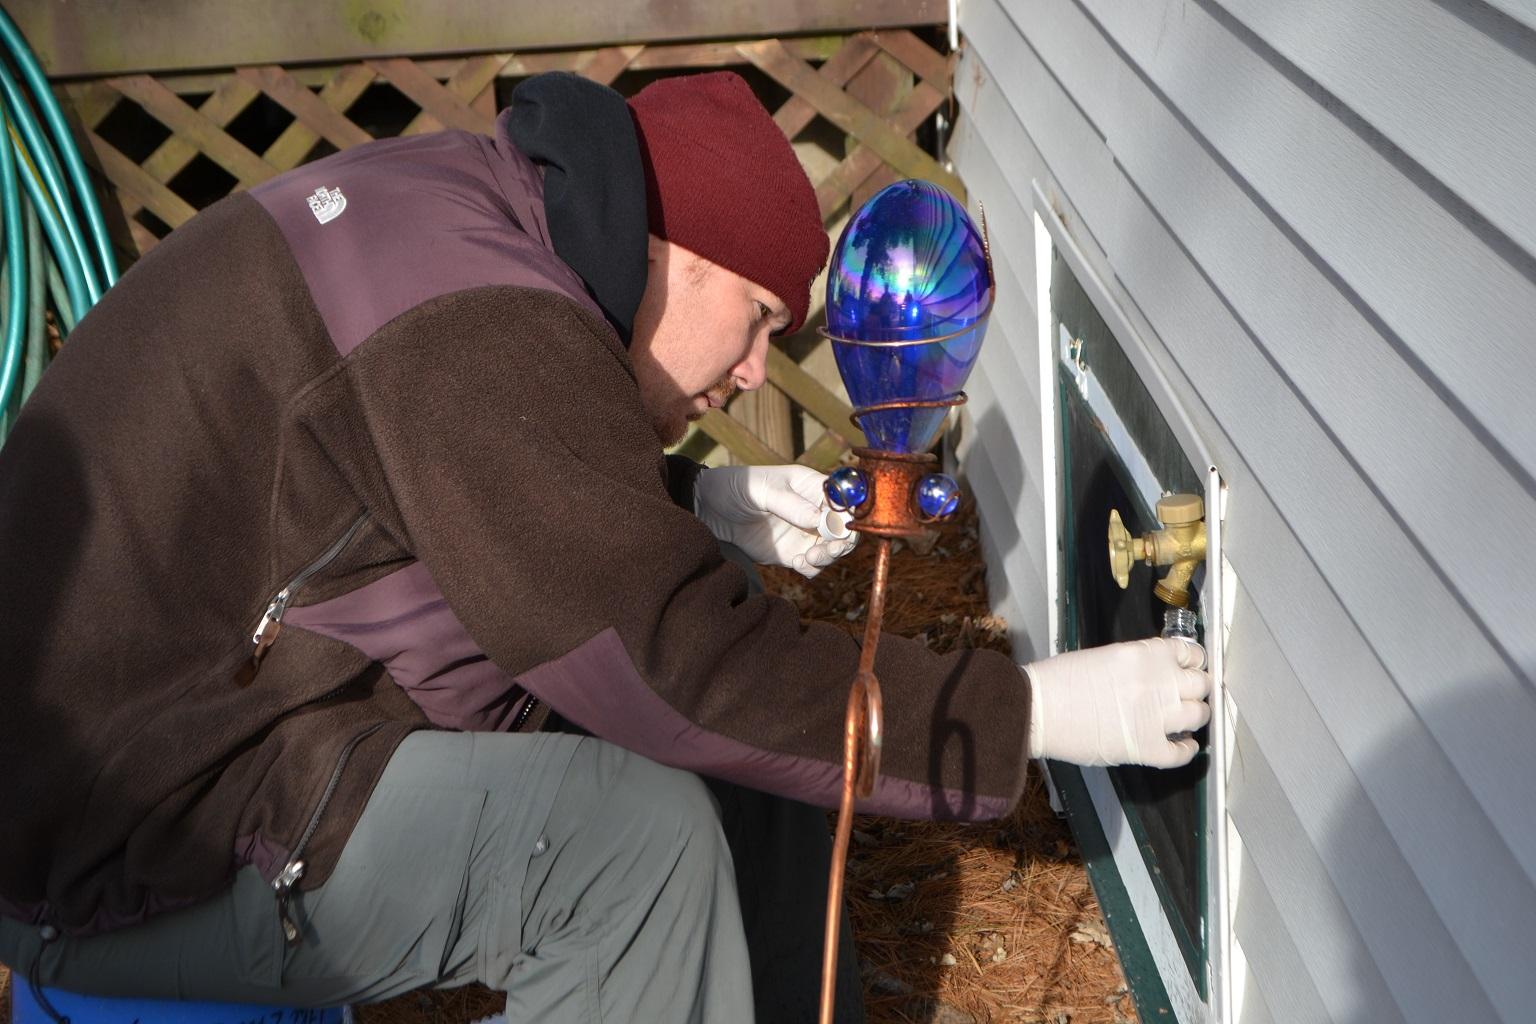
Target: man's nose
752	372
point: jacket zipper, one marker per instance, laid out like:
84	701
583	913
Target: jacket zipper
525	712
265	634
292	871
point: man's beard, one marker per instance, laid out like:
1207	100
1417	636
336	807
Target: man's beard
672	430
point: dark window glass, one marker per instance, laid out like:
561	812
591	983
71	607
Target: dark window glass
1115	441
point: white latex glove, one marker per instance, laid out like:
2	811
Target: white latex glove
778	515
1126	703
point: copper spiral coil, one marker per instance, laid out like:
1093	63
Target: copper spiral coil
861	765
958	398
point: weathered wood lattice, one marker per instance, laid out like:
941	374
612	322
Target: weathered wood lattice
855	104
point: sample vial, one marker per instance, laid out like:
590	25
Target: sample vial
1180	622
834	524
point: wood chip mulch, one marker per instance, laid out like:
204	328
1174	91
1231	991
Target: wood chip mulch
955	924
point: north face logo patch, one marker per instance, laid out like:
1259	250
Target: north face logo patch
327	204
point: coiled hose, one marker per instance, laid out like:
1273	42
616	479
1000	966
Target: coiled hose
45	193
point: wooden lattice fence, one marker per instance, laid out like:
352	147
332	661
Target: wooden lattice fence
172	144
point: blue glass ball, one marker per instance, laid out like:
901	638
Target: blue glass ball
846	488
938	495
909	290
910	266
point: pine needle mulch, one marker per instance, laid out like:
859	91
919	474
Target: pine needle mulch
955	924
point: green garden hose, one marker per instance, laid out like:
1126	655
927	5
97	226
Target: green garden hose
53	224
36	356
59	294
35	348
16	276
44	191
32	74
39	167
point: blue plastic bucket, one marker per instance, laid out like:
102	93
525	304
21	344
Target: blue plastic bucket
97	1010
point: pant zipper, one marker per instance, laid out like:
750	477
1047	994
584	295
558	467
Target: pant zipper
292	871
265	634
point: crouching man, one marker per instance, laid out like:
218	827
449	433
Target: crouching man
352	491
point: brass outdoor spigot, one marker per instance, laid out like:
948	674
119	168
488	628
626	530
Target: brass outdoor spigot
1179	545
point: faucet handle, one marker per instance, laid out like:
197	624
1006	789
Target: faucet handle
1180	509
1124	549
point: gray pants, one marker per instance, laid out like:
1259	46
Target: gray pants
588	883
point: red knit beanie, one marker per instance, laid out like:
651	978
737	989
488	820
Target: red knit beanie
722	181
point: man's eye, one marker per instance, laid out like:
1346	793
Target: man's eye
762	311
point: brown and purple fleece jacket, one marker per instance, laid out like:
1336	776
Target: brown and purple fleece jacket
379	412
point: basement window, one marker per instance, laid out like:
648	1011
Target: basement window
1117	451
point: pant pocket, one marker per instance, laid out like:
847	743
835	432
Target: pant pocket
256	933
389	909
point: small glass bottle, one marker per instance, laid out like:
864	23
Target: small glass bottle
1180	622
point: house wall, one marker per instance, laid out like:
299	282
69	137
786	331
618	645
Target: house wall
1319	219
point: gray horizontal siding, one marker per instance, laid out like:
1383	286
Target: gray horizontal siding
1497	17
1341	735
1332	294
1255	1009
1015	586
1380	305
1277	974
1000	452
1400	926
1425	78
1280	859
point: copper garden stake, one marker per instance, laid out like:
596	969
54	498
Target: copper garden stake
888	512
909	291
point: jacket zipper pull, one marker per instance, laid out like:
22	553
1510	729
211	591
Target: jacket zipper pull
283	885
271	622
264	637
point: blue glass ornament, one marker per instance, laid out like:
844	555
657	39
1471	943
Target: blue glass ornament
846	488
938	495
908	295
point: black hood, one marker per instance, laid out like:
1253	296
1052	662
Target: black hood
580	134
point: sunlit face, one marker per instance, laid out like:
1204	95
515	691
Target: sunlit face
701	332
